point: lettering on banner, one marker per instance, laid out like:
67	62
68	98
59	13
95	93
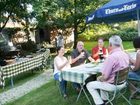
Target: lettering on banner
124	8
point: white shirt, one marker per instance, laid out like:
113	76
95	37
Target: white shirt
60	61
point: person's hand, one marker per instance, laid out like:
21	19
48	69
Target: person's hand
100	78
82	54
97	53
97	61
69	59
104	56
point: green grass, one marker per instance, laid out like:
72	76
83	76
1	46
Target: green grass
128	45
49	95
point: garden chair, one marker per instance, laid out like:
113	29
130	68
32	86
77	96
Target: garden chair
120	86
135	84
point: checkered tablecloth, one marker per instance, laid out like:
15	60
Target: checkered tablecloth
22	66
46	56
80	73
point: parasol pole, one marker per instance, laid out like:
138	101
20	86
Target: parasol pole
138	19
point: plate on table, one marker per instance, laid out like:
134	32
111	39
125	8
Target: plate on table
90	65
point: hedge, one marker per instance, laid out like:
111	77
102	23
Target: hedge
127	34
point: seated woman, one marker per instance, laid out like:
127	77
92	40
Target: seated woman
99	52
135	73
60	63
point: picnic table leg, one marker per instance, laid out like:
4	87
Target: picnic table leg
82	89
12	83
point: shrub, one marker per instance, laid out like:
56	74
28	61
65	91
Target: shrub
127	34
29	46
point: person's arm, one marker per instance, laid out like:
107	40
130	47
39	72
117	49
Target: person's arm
73	60
106	53
137	63
60	67
107	69
91	59
88	56
131	60
95	53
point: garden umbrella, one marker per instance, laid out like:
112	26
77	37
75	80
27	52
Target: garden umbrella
116	11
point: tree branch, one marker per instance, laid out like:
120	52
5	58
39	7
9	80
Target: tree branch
1	28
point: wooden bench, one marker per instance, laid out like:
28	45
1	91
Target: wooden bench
9	71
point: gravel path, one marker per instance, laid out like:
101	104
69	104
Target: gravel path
21	90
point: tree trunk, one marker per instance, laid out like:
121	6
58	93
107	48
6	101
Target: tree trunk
75	35
1	28
75	26
10	13
47	34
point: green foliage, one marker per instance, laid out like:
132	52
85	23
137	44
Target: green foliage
127	34
10	31
29	46
128	45
15	9
45	11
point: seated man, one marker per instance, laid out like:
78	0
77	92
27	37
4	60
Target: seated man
78	57
99	52
116	60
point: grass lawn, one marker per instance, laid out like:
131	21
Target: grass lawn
49	95
128	45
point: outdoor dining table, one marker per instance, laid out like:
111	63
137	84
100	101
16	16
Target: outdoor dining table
80	73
